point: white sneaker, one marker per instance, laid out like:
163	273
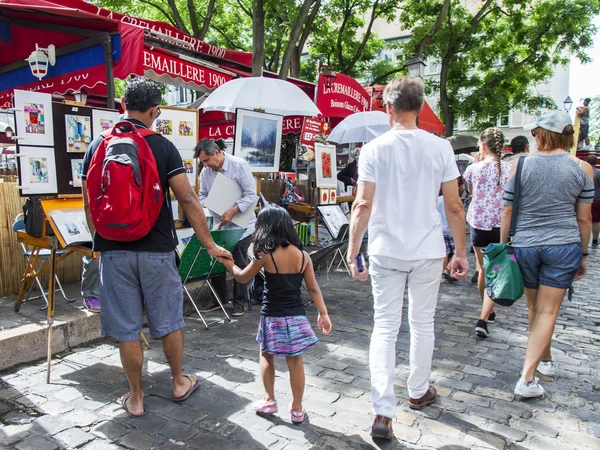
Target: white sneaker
528	390
547	368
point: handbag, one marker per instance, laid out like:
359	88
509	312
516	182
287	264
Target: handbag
503	279
33	216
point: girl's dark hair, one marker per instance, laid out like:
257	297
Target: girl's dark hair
274	228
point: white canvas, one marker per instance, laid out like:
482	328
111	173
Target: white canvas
103	120
179	126
191	165
258	139
326	165
71	225
34	118
334	219
223	195
37	168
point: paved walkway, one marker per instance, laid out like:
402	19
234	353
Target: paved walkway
476	408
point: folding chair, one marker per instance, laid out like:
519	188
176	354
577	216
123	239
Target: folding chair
36	259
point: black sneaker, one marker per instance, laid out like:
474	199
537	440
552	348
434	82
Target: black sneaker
594	243
210	307
481	329
238	310
492	318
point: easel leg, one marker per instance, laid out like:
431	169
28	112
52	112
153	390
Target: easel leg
207	281
51	299
195	307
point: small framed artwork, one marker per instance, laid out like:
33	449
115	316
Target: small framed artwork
323	196
190	164
79	133
76	169
335	220
185	128
37	170
258	139
333	196
164	127
325	164
34	118
103	120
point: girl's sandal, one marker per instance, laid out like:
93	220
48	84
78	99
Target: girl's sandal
298	416
265	406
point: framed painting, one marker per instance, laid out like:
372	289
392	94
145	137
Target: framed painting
103	120
79	133
191	165
325	164
178	125
34	118
76	169
37	170
258	139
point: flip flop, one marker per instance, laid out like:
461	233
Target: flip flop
190	390
124	405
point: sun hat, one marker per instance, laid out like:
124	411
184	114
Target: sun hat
554	121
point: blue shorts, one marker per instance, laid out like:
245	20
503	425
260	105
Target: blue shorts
133	281
553	266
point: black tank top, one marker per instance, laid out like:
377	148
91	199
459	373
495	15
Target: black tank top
282	293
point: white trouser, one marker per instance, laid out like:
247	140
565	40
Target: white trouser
389	277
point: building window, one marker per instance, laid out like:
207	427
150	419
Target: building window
433	66
504	120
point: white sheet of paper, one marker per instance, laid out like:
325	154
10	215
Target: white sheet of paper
72	225
223	195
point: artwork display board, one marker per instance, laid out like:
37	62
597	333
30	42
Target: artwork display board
180	126
223	196
227	239
73	134
34	119
258	139
103	120
326	165
335	220
37	171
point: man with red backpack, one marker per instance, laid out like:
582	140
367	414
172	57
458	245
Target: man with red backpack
127	174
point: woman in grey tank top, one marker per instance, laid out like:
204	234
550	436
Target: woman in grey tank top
552	235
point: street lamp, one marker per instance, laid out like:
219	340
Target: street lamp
329	75
415	66
379	99
568	103
9	132
81	96
40	59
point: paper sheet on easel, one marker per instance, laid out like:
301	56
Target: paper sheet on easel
223	196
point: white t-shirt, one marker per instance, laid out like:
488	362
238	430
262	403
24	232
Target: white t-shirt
407	168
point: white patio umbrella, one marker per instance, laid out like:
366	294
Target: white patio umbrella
269	94
360	127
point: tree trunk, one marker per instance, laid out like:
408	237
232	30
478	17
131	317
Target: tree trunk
258	38
295	63
447	112
293	39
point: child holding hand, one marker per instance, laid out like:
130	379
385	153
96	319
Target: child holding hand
284	329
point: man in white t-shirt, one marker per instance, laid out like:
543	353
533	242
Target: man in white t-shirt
400	174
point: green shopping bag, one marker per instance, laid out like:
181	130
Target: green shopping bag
503	280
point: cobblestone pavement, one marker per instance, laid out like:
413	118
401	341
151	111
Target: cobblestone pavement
475	378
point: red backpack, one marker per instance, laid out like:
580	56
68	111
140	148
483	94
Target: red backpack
123	186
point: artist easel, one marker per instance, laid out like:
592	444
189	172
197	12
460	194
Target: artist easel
197	263
339	242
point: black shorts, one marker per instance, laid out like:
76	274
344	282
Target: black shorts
483	238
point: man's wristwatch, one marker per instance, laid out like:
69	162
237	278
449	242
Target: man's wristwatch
585	254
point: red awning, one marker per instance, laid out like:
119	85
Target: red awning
345	96
428	120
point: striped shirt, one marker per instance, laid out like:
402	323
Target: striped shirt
551	184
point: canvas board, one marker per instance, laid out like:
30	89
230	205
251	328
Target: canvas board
335	220
79	132
178	125
103	120
71	225
258	139
37	170
223	195
76	169
34	118
326	165
191	165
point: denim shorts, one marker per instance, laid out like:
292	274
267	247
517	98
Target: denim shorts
554	265
131	282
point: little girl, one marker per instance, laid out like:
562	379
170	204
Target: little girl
284	329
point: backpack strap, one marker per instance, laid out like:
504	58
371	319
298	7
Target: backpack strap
516	199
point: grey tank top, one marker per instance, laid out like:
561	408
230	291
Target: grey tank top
551	184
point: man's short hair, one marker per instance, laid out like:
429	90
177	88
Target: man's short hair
592	160
141	94
587	99
207	146
519	144
405	93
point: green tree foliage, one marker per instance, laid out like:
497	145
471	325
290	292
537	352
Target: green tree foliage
492	53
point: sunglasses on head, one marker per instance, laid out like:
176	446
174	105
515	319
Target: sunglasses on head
158	112
533	133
